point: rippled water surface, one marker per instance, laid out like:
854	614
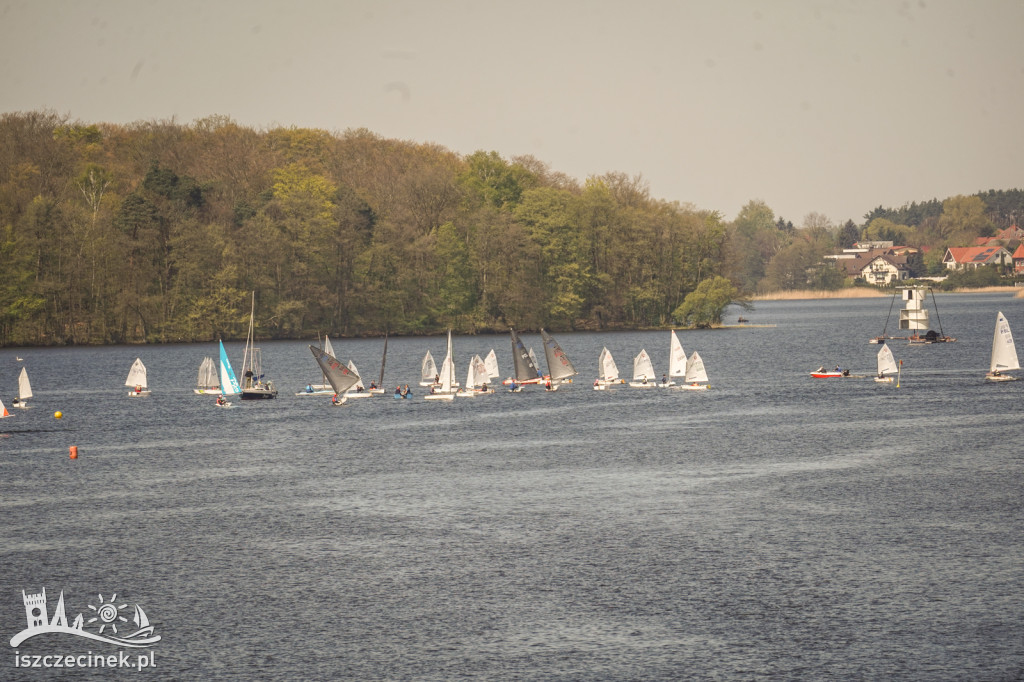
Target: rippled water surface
774	527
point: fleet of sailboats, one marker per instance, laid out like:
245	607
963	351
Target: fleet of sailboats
1004	353
137	379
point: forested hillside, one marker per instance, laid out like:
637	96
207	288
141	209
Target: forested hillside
158	232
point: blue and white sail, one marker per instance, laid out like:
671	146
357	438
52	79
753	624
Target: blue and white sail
228	382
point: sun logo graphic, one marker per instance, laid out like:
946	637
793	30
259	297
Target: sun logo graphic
108	616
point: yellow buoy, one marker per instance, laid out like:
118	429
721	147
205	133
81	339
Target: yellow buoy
58	415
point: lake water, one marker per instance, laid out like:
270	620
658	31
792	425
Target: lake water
773	527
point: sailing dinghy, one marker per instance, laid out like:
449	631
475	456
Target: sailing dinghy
643	371
524	367
338	375
676	362
476	379
491	363
137	379
696	376
560	368
358	389
447	377
1004	352
3	410
607	371
886	364
428	371
24	390
379	388
207	382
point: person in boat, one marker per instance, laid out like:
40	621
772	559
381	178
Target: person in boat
664	378
138	388
373	385
513	386
644	380
398	390
837	369
437	378
220	400
334	399
821	369
309	388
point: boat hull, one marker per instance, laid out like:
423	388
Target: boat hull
258	394
139	394
692	387
1000	377
827	375
883	380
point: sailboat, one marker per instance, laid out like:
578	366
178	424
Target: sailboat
137	379
323	388
676	361
491	363
476	379
643	371
207	381
340	377
886	364
428	370
696	377
446	377
560	369
3	410
24	390
524	366
358	389
607	371
253	386
228	381
1004	352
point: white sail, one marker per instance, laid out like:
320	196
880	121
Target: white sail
24	387
491	362
607	369
137	375
1004	352
207	377
447	376
695	369
676	357
352	366
643	368
533	359
471	374
328	348
428	370
886	361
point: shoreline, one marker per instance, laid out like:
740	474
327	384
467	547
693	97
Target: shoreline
861	292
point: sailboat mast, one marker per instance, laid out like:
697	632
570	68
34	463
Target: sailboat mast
383	359
247	355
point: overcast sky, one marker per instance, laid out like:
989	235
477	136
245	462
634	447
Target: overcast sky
827	106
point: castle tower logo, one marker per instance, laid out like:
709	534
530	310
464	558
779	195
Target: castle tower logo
109	619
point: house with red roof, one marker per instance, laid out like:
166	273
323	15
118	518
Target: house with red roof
970	257
1018	260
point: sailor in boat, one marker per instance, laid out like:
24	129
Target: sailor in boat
138	388
547	385
334	399
373	385
398	391
309	388
220	400
664	378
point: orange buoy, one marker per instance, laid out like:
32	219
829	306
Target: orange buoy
73	451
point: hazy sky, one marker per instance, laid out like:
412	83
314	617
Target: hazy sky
828	106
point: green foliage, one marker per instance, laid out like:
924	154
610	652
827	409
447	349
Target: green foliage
157	232
704	306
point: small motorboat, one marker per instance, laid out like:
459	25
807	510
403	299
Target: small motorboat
822	373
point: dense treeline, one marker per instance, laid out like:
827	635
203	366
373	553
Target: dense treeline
157	232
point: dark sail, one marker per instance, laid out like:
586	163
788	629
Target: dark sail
340	377
525	370
559	366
